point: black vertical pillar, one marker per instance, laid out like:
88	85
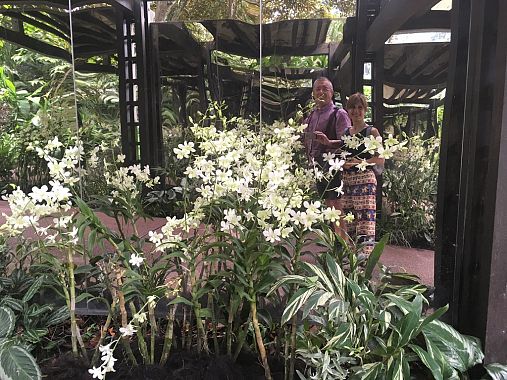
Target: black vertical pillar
378	111
470	258
359	45
154	106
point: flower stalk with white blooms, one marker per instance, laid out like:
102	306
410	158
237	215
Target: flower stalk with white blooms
58	227
251	196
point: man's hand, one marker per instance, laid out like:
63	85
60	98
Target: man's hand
322	138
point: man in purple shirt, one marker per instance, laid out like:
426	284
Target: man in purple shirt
326	125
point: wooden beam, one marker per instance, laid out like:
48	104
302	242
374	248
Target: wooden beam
34	44
36	23
391	17
430	20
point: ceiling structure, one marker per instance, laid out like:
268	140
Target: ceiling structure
414	73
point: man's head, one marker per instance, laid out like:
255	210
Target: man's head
322	92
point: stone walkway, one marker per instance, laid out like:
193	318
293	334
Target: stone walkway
410	260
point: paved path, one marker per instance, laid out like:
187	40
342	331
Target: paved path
411	260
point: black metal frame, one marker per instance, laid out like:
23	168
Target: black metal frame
470	258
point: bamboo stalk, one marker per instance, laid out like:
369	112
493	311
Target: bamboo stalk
230	321
124	320
292	347
103	332
154	330
260	343
211	305
140	337
168	339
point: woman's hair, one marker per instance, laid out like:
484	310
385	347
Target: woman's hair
356	99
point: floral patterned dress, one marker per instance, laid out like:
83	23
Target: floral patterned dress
360	197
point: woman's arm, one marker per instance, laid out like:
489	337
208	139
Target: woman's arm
376	160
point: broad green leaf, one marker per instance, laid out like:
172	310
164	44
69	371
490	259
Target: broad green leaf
58	316
319	298
12	303
296	302
326	282
395	368
33	289
181	300
289	279
428	361
461	351
370	371
16	363
337	276
448	372
7	322
435	315
375	256
402	304
497	371
341	337
337	308
407	328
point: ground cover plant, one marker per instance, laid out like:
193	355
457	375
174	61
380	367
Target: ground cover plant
214	281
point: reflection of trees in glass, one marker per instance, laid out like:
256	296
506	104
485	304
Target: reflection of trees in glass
179	10
248	10
276	10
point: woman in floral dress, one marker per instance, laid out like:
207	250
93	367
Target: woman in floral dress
359	179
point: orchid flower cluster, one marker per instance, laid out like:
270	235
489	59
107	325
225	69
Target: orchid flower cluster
107	350
373	145
254	170
48	207
27	210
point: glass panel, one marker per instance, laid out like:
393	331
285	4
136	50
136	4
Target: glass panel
298	40
207	52
95	56
36	88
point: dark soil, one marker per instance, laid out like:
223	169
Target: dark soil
180	366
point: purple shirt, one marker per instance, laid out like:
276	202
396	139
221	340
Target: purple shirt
318	121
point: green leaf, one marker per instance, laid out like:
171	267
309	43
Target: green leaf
336	275
448	372
296	302
370	371
375	256
460	351
319	298
33	289
16	363
321	275
289	279
7	322
58	316
395	368
180	299
428	361
34	335
404	305
435	315
497	371
12	303
342	336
